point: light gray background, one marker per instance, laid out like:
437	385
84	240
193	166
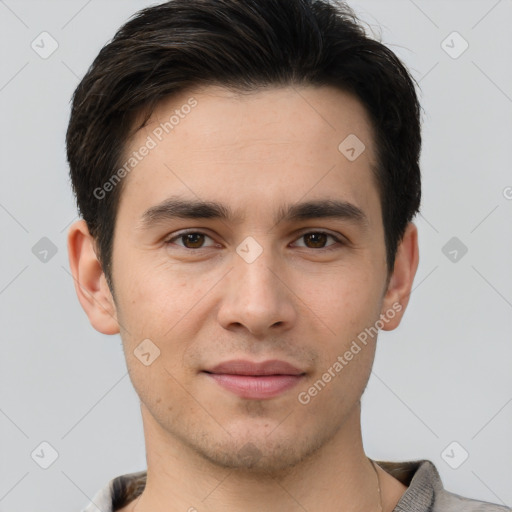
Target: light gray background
442	376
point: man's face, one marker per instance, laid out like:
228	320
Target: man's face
258	287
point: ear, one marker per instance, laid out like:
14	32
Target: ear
399	288
90	282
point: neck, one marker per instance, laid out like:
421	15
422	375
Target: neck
337	475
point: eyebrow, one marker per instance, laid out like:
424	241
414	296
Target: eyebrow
176	207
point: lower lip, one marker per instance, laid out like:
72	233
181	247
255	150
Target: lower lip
256	387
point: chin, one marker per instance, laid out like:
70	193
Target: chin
268	453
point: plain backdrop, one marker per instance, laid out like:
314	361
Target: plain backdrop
441	387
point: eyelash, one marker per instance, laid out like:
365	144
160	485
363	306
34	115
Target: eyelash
328	248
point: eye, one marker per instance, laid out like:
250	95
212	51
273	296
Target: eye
318	239
191	240
196	240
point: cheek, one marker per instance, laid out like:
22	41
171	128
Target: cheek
159	387
151	294
338	385
345	301
167	308
347	307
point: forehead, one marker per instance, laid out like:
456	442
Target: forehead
213	112
288	141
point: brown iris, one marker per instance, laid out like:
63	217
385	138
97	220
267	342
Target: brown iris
318	239
195	240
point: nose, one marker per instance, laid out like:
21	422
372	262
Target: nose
257	296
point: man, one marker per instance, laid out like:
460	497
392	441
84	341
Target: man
247	172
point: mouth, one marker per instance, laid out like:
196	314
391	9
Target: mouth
256	381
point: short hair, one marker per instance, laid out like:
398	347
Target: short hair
243	45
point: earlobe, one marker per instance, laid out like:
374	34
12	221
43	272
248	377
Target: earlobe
400	284
90	282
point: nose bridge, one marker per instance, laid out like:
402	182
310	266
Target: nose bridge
253	266
256	297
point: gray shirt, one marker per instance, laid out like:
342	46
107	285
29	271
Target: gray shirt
425	491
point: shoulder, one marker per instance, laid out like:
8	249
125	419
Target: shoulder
446	501
426	493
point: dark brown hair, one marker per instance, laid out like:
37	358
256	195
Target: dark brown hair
244	45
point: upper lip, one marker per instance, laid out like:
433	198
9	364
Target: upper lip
244	367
